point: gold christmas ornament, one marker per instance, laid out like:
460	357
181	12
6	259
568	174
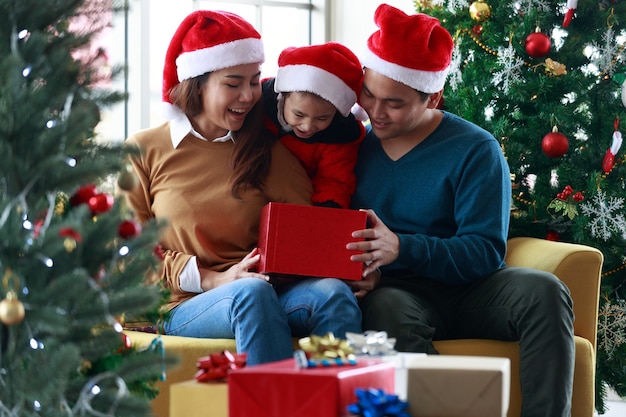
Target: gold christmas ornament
555	68
480	11
423	4
69	244
11	309
61	203
127	179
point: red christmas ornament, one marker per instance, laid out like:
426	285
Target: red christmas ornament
68	232
129	229
477	30
578	197
100	203
553	235
158	251
538	44
127	343
83	194
554	144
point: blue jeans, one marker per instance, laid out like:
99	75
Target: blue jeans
263	319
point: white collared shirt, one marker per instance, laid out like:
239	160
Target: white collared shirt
180	126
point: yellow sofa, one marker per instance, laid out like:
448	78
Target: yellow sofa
577	265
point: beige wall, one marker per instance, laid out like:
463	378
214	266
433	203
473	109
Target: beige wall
352	21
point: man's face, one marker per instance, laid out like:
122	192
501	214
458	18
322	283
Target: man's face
395	109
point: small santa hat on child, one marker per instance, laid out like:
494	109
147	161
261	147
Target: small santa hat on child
206	41
412	49
329	70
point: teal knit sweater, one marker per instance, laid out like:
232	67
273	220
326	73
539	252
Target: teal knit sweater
448	199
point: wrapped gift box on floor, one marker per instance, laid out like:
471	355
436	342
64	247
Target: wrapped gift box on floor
280	389
199	399
309	241
458	386
401	362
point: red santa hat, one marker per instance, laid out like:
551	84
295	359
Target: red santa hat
206	41
329	70
412	49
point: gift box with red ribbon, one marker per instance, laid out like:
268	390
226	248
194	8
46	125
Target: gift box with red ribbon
298	240
216	366
282	389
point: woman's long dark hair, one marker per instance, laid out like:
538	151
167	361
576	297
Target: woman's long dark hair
252	156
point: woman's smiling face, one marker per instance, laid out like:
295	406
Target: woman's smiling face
228	96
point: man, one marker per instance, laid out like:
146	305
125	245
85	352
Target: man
438	194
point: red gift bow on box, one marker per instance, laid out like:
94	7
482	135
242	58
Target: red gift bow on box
216	366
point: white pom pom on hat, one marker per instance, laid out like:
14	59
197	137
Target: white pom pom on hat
207	41
412	49
329	70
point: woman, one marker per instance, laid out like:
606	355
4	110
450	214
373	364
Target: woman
208	172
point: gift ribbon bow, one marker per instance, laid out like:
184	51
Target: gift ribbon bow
326	350
216	366
372	343
376	403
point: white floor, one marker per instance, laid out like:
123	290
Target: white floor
616	407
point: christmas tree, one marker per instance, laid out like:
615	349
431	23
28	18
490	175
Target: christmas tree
547	79
72	261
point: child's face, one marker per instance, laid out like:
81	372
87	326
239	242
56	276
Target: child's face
307	113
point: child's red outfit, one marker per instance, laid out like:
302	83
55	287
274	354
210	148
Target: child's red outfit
334	73
328	156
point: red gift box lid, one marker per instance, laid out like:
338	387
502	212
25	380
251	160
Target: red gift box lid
309	241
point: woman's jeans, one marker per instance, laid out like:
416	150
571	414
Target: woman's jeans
263	319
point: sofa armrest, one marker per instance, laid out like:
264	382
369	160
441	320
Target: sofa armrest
578	266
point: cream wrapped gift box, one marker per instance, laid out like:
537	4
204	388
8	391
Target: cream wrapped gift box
199	399
458	386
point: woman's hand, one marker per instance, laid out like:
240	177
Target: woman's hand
211	279
380	247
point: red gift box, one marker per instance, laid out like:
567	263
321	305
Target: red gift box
280	389
309	241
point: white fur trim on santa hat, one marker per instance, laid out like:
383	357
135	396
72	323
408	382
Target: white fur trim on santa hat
425	81
317	81
225	55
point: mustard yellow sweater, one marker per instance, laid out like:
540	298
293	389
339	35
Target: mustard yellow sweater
189	187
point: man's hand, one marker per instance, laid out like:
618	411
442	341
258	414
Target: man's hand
367	284
380	247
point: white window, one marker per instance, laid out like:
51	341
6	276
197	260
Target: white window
140	37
